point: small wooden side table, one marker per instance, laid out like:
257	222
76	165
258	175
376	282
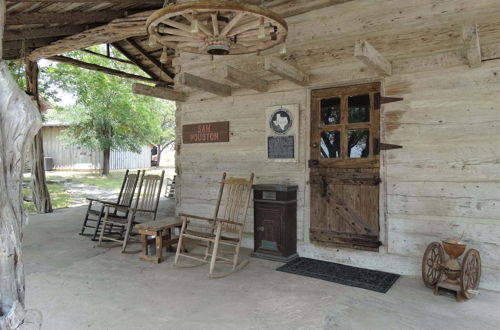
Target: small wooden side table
162	231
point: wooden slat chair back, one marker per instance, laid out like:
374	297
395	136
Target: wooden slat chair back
147	205
144	209
125	198
233	204
226	227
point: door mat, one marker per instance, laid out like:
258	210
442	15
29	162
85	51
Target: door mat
329	271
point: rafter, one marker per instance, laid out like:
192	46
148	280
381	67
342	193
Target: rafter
72	18
107	57
159	92
203	84
150	58
470	36
59	31
367	54
95	67
135	61
286	71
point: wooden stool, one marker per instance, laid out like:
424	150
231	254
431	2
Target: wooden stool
162	230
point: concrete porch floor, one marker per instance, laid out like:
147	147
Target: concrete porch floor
78	286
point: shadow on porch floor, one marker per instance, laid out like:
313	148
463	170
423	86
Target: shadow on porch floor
79	286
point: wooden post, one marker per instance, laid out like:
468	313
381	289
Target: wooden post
40	192
19	121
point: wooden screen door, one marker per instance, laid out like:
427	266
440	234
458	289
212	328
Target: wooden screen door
344	166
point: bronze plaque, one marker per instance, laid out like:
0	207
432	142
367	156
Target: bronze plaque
206	132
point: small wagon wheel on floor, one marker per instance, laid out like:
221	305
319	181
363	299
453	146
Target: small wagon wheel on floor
471	273
432	264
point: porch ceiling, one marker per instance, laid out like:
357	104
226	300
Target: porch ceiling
44	28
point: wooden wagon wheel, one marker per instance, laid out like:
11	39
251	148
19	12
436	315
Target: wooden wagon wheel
431	264
217	27
471	273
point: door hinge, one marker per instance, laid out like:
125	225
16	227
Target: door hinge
384	146
379	100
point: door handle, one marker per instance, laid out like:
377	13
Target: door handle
314	145
260	228
324	186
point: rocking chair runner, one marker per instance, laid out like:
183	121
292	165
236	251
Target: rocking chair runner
125	198
225	228
144	209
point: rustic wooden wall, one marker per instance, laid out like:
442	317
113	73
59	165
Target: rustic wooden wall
72	157
445	180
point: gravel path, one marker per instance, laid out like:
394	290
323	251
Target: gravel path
79	191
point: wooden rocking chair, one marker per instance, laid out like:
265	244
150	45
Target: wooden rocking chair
125	198
225	228
143	210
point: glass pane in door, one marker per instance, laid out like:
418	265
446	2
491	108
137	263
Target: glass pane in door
330	144
330	111
358	108
358	143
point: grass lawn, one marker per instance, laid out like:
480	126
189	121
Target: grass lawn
113	181
59	198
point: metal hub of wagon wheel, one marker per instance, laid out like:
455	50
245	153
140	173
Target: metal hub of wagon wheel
216	28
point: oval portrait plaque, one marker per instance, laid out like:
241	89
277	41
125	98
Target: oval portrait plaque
281	121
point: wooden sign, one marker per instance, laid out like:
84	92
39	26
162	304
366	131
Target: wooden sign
206	132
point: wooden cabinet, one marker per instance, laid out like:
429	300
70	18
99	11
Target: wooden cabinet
275	221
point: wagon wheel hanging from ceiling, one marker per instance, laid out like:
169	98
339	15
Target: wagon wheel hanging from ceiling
216	28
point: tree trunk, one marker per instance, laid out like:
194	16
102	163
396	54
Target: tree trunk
40	192
19	122
158	155
105	162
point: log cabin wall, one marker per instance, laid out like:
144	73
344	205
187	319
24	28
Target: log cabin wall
443	182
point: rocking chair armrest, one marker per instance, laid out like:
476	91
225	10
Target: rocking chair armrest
117	206
229	222
91	199
196	217
140	210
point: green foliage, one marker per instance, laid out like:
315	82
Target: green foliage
59	198
106	115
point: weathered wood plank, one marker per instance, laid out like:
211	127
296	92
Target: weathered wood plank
94	67
367	54
59	31
286	71
66	18
159	92
122	2
117	30
245	79
470	36
203	84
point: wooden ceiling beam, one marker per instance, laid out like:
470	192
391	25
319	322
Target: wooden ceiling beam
121	2
286	71
162	67
107	57
470	36
203	84
367	54
95	67
116	30
27	44
245	79
159	92
60	31
73	18
133	59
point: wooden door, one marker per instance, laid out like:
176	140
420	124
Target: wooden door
344	166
